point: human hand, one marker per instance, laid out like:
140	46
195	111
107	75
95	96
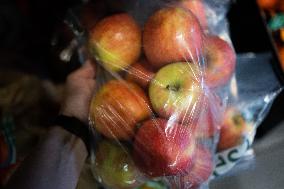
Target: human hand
79	89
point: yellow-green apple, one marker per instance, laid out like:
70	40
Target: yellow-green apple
202	168
221	61
115	167
116	41
172	35
232	129
176	92
117	107
198	9
141	73
164	148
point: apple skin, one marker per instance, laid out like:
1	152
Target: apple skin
176	92
210	117
117	108
198	9
202	168
115	167
163	148
221	61
232	129
172	35
205	127
116	41
141	73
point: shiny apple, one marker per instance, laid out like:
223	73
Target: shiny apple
172	34
116	41
176	92
117	108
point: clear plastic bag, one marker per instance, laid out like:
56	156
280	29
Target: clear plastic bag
162	89
249	102
144	130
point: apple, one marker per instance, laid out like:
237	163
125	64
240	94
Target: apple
202	168
116	41
170	35
117	107
115	167
198	9
176	92
153	185
221	61
205	127
163	148
141	73
210	117
232	129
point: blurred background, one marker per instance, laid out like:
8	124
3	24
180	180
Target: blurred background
33	70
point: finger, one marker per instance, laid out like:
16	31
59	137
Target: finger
87	70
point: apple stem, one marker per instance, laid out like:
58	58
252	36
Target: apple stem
174	88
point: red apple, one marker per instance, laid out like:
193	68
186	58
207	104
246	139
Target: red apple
176	92
116	41
202	168
164	148
172	35
115	167
141	73
117	108
198	9
232	129
210	117
205	127
221	61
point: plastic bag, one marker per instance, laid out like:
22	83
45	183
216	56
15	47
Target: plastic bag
251	101
162	89
238	98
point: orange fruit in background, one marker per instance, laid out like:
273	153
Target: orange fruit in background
267	4
280	5
281	56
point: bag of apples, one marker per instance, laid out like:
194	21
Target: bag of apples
161	93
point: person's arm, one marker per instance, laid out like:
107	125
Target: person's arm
57	162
